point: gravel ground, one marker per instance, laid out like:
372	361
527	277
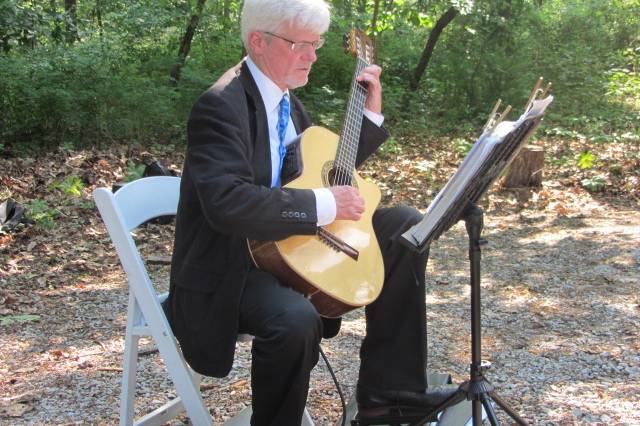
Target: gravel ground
561	317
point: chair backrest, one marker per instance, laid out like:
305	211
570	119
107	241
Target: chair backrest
130	206
146	198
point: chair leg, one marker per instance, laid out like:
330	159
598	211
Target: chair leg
129	367
186	384
197	377
306	418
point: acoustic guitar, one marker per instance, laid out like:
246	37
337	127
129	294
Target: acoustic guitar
340	268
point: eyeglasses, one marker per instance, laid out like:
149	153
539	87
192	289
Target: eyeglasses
300	46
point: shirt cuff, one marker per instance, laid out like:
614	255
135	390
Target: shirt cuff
376	118
325	206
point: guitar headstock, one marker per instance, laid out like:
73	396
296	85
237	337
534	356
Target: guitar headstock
359	45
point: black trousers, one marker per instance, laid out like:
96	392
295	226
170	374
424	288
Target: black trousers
288	330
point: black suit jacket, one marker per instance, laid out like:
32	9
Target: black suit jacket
225	198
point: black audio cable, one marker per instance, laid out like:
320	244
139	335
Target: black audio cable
335	380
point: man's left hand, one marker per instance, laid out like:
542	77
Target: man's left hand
370	76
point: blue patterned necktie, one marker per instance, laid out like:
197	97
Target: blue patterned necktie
283	120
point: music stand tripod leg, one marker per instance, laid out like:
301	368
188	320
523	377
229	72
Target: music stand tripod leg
491	415
479	390
519	420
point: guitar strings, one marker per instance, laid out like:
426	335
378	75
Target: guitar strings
346	142
348	145
353	127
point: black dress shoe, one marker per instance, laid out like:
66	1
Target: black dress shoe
376	402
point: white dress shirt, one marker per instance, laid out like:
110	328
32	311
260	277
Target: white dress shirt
271	97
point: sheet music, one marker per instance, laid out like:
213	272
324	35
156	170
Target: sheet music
486	145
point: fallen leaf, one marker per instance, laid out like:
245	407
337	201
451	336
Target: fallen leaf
26	370
85	364
16	409
18	405
9	300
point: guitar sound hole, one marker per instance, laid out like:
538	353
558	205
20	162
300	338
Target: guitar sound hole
334	176
338	176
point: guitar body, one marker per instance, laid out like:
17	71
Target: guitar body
335	279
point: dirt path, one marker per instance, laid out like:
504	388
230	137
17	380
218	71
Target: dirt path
561	317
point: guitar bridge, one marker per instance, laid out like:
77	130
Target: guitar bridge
337	244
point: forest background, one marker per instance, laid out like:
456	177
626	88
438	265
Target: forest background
81	73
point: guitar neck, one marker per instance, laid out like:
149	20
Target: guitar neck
348	146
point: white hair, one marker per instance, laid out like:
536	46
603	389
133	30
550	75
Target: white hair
269	15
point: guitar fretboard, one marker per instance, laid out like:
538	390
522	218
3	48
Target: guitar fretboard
345	161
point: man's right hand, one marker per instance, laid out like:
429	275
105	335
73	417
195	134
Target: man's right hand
349	202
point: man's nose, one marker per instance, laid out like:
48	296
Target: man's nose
310	54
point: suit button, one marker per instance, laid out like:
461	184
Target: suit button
303	215
297	214
284	214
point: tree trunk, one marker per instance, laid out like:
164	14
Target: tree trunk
362	6
526	168
443	21
226	9
6	46
373	33
185	43
347	8
374	19
56	33
98	14
70	7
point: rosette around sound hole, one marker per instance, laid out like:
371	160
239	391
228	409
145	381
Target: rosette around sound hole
333	175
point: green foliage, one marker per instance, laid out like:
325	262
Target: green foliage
586	160
391	146
104	77
12	319
71	185
134	171
80	95
594	184
42	214
461	146
562	160
87	205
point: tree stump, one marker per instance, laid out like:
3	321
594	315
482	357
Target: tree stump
526	168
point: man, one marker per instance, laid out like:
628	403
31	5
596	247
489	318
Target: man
231	191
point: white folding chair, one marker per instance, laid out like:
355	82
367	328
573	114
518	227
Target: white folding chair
130	206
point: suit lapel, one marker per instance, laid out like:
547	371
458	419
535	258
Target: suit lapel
299	116
296	117
259	128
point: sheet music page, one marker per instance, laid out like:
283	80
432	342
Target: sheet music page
460	179
482	149
537	108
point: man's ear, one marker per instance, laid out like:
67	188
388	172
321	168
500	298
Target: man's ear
257	42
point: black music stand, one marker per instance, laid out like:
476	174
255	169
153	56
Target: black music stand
457	201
